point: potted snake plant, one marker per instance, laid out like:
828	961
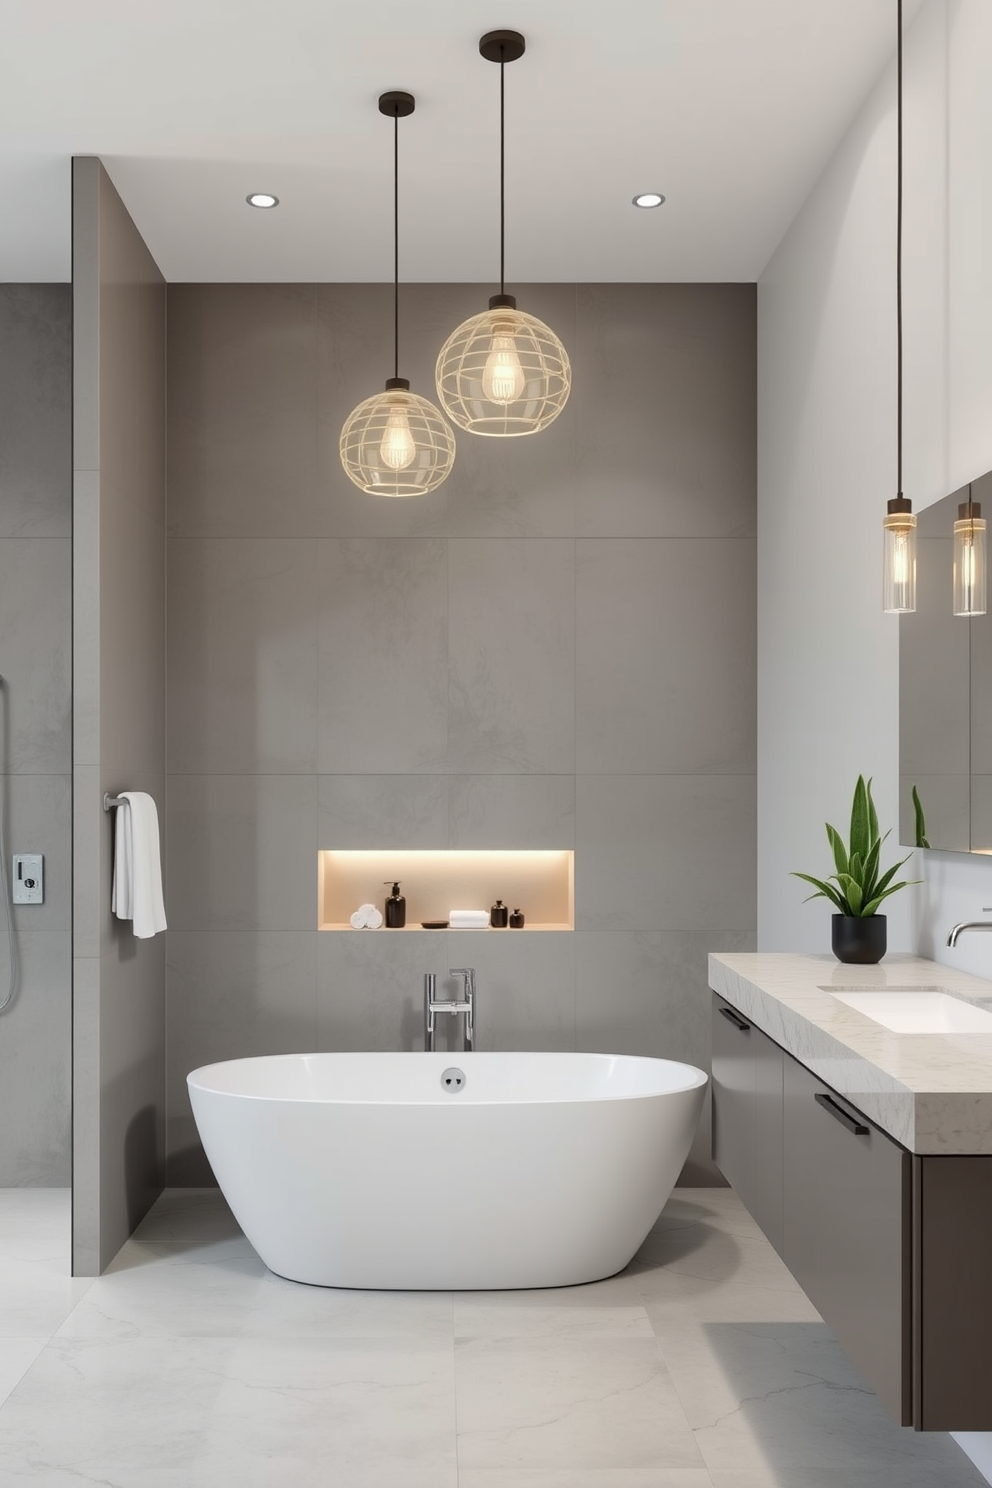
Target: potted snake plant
856	888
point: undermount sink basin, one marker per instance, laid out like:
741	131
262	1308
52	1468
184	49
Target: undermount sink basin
916	1009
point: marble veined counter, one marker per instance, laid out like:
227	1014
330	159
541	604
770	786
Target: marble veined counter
931	1091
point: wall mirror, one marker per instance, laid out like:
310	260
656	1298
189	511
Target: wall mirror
945	695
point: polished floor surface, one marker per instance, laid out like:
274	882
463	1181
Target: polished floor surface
188	1365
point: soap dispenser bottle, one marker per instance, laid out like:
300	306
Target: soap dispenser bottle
395	909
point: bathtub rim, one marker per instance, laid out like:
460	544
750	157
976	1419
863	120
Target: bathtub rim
701	1079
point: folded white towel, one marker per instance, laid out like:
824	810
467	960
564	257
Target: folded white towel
137	891
468	919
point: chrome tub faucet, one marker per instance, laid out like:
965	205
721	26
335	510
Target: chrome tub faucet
432	1006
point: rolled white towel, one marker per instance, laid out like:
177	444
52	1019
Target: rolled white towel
358	920
468	919
373	917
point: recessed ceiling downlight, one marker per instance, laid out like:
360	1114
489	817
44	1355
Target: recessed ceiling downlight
262	199
648	199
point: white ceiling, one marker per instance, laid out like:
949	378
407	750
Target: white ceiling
729	107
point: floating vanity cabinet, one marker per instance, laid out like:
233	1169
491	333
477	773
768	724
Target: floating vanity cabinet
893	1248
747	1116
847	1231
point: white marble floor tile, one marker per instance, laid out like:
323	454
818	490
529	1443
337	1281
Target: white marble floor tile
568	1403
36	1298
596	1477
35	1226
564	1312
782	1399
239	1297
352	1411
16	1357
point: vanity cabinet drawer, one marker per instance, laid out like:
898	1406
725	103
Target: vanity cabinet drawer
847	1231
747	1115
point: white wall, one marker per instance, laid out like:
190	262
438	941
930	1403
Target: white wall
828	657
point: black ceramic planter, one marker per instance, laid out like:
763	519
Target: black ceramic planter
857	940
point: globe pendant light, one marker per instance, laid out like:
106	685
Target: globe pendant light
969	559
396	443
503	373
899	526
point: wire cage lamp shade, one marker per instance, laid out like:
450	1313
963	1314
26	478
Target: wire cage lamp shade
397	444
503	372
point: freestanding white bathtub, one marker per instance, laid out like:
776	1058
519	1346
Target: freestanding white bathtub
368	1170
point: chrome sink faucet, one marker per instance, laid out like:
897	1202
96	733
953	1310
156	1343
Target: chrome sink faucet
432	1006
952	939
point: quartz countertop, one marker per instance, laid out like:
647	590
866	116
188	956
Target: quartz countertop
930	1091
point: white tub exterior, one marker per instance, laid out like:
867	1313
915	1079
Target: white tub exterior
361	1170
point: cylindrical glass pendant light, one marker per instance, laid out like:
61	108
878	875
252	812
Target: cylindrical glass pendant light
396	443
900	558
503	373
899	565
969	559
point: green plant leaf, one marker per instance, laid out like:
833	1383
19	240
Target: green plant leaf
870	871
921	826
890	874
860	830
851	890
872	815
824	891
839	850
870	908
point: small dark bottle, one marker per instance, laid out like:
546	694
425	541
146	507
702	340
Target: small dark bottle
498	915
517	920
395	909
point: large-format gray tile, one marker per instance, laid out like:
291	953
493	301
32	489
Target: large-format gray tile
38	819
132	636
242	852
665	410
388	811
35	1110
665	675
383	655
370	987
230	995
242	410
511	811
512	656
664	852
36	410
86	617
563	1403
36	623
242	656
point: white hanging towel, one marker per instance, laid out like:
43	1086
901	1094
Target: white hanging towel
137	892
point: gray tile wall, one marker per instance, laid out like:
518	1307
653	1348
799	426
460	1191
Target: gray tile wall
555	649
119	712
36	723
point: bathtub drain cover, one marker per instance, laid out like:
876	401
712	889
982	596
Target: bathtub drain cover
453	1080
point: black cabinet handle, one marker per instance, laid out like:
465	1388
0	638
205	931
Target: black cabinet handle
858	1128
736	1019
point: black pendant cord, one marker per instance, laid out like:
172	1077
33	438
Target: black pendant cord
502	172
396	244
899	254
